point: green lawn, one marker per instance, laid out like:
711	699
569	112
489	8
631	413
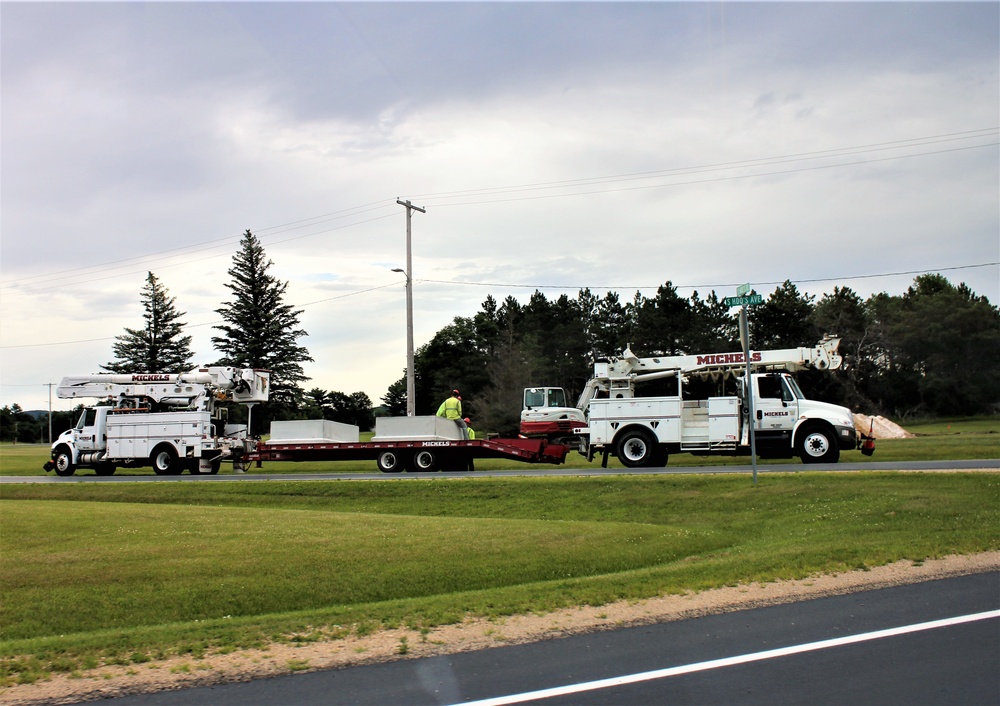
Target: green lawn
113	573
97	573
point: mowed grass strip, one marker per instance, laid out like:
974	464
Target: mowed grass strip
90	575
79	567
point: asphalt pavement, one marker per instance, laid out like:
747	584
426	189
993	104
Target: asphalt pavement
936	642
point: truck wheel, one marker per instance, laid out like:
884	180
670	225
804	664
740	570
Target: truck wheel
660	457
63	460
424	461
165	462
817	444
390	462
104	469
636	448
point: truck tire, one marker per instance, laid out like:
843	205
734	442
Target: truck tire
817	444
104	469
390	462
636	448
165	462
424	461
63	460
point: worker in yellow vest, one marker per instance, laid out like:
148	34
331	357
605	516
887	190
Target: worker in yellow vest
470	463
451	408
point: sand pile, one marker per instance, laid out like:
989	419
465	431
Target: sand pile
881	427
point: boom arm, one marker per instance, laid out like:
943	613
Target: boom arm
191	389
622	373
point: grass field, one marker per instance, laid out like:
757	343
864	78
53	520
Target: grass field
113	573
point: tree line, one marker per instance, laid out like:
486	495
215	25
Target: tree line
928	352
931	351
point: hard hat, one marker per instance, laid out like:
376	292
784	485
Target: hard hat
455	392
467	420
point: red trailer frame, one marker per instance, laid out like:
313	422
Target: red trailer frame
414	456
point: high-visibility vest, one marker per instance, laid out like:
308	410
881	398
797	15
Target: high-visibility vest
450	408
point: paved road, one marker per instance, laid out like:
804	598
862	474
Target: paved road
853	649
88	477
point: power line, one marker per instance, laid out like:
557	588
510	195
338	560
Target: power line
708	286
557	287
763	161
576	187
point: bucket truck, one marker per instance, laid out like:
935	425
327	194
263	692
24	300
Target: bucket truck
170	421
614	417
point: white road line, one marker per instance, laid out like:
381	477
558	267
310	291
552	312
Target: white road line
729	661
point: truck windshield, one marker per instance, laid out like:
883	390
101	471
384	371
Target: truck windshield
534	397
794	388
87	419
544	397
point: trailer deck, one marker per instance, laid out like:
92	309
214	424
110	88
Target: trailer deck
412	455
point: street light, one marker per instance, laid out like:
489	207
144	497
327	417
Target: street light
410	383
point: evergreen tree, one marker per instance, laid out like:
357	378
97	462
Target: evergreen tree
159	347
784	320
261	331
394	401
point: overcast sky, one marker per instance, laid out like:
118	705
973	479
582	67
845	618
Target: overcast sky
554	146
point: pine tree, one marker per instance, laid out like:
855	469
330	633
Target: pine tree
159	347
260	329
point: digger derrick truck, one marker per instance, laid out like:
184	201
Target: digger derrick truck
170	421
613	417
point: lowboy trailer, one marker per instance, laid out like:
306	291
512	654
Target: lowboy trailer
415	444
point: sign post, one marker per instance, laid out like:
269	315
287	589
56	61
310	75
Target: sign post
743	299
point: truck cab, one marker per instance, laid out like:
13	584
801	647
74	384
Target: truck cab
83	444
546	414
786	419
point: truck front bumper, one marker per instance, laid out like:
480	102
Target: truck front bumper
847	438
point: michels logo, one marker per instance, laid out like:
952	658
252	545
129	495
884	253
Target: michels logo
724	358
151	378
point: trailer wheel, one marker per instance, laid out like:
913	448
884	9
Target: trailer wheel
165	462
63	460
636	448
817	444
390	462
424	461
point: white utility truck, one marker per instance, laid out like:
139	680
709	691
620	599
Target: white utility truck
613	416
170	421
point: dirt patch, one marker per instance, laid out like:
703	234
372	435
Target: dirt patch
880	427
386	645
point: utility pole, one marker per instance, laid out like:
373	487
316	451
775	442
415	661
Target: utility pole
49	385
411	393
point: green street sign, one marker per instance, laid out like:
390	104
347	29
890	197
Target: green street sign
744	301
743	290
